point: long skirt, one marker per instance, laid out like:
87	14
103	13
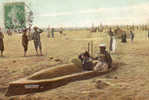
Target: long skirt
25	46
1	45
114	45
111	42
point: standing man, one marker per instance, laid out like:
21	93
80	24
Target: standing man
131	36
36	38
48	32
1	42
124	37
52	32
111	39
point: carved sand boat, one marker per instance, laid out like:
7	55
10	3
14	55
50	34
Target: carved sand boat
50	78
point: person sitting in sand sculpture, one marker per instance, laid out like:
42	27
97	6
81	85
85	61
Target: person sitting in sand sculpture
102	62
86	61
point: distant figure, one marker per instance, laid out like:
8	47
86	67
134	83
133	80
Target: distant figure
100	28
1	42
61	31
114	44
124	37
25	41
111	39
36	38
110	32
131	36
9	32
52	32
93	29
48	32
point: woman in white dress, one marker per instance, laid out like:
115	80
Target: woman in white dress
113	44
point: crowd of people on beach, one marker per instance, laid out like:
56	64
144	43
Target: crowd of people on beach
50	34
124	36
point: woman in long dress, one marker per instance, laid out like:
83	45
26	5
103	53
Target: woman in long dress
1	42
114	44
48	32
25	41
111	39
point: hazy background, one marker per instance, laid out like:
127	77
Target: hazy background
81	13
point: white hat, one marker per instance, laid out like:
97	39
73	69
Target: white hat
102	45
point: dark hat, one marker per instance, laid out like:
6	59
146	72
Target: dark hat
86	54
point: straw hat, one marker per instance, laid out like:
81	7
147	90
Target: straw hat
35	27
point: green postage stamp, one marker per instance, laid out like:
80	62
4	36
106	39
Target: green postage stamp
14	14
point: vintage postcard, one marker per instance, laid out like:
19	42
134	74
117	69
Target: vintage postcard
74	49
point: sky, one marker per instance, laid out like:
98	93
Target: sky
82	13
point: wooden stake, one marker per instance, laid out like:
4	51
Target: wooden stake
92	52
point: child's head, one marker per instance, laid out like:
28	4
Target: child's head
25	31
